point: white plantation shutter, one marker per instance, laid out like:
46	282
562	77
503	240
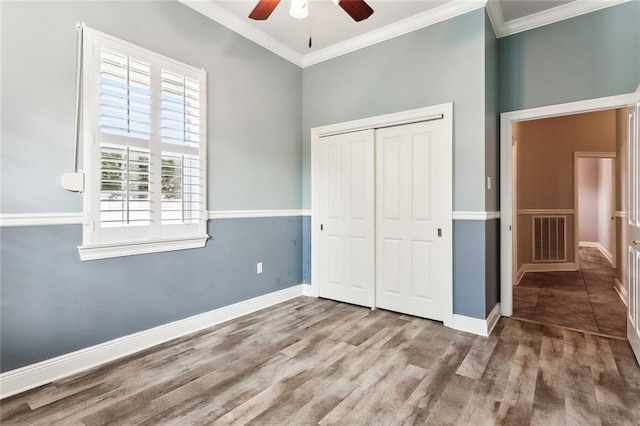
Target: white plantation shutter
180	135
181	201
124	187
180	110
125	96
145	143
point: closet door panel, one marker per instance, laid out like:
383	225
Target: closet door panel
345	197
406	170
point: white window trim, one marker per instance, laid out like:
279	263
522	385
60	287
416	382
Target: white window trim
93	250
130	248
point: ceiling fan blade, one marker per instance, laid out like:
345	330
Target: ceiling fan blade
357	9
263	9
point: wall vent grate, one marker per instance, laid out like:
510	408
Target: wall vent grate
549	238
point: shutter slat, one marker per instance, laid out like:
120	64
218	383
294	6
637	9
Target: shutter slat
125	96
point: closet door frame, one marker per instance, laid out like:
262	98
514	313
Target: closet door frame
443	112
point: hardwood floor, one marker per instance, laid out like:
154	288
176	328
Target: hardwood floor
314	361
583	300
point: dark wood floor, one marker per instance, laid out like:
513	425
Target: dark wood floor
583	300
313	361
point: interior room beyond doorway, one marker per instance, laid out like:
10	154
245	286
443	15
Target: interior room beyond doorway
566	270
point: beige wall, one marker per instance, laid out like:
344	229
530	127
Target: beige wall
545	169
605	206
588	186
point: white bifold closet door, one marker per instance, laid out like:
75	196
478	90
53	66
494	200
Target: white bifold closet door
383	196
410	189
346	210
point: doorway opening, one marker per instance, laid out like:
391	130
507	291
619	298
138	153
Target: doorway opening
595	189
542	257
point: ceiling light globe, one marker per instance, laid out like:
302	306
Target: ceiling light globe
299	9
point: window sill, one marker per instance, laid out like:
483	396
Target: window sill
131	248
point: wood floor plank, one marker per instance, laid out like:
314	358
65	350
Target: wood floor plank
315	361
490	390
476	360
427	394
610	388
548	405
454	402
241	392
517	401
581	406
247	368
580	401
227	345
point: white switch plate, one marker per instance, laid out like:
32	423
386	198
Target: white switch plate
489	186
259	267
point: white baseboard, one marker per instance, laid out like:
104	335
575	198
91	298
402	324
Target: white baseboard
548	267
493	318
599	246
475	325
519	276
592	244
622	292
31	376
307	290
606	254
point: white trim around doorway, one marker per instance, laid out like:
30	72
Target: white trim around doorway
507	196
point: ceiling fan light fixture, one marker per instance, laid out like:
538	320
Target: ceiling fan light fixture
299	9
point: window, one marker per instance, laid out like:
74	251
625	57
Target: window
144	130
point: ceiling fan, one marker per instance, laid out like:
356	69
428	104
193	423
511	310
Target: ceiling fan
357	9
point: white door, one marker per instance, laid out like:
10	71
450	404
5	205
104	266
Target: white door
343	192
633	228
413	219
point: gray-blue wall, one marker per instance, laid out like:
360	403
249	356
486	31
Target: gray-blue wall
254	101
492	161
589	56
54	304
438	64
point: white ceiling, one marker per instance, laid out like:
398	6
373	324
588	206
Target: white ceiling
327	23
334	33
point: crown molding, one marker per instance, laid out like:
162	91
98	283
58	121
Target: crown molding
245	29
229	20
421	20
494	11
545	17
430	17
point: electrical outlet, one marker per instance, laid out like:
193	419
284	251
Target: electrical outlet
259	268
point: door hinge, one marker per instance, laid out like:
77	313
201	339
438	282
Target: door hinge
439	232
321	227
